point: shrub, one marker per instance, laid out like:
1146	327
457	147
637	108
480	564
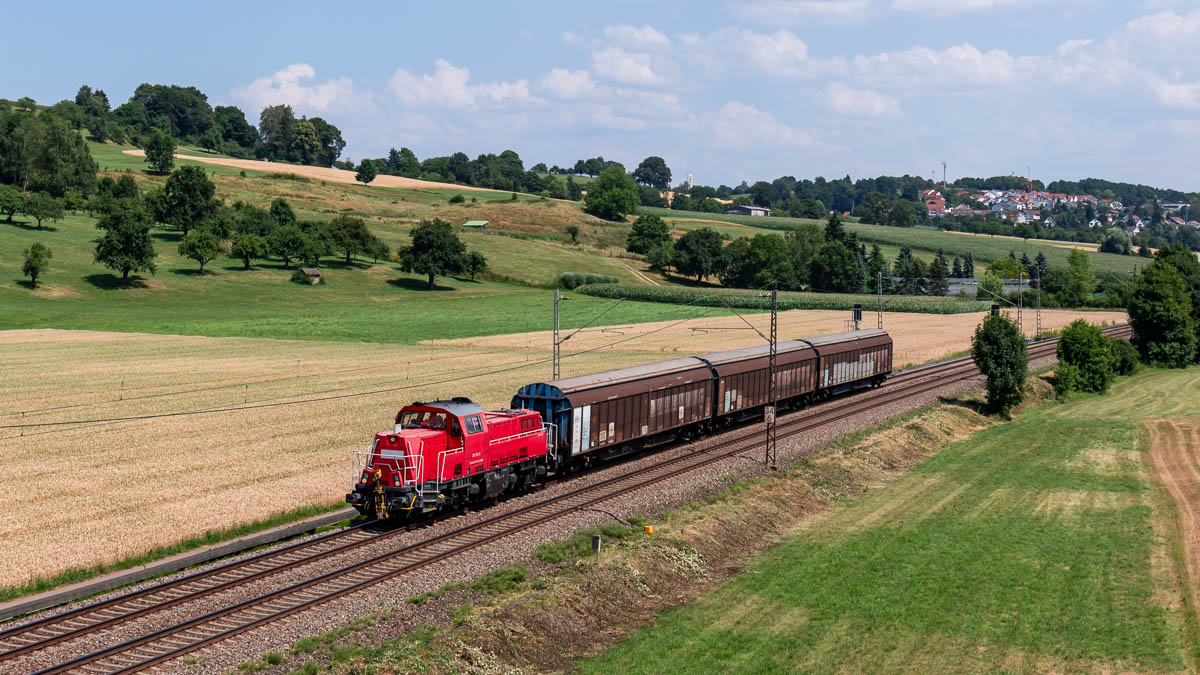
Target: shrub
1084	348
1066	379
1125	356
571	280
457	199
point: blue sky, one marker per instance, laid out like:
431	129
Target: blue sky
741	89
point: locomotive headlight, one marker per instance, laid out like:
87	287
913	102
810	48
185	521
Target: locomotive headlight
396	481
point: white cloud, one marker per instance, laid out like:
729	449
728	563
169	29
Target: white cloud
290	87
860	102
570	84
646	37
803	12
958	66
780	53
450	87
1176	94
738	126
617	64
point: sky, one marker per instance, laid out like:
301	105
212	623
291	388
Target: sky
724	90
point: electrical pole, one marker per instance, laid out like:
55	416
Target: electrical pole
1039	307
769	457
556	357
943	174
879	287
1020	296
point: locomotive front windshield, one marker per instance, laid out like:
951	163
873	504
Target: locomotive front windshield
422	419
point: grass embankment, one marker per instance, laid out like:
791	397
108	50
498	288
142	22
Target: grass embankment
983	249
1035	545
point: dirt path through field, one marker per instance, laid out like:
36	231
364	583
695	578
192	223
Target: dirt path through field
318	172
637	273
1175	453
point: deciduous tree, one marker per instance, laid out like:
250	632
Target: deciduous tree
288	242
247	247
188	198
476	264
201	246
698	253
160	152
41	206
653	171
1160	310
37	260
648	231
125	246
435	251
12	200
999	350
366	172
612	195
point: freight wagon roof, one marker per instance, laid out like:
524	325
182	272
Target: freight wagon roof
718	358
848	337
631	374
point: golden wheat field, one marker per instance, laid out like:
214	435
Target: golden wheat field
102	490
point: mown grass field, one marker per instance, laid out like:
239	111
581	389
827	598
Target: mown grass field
984	249
1038	545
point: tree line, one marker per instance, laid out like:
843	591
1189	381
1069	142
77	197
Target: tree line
185	115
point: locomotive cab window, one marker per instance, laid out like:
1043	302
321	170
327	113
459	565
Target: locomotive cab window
473	424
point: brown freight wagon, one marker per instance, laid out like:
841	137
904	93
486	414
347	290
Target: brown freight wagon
621	410
805	368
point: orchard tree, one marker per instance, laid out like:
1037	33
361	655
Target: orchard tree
475	264
42	206
698	253
37	259
653	171
612	195
435	251
12	200
999	350
648	231
573	232
201	246
349	235
1160	310
282	212
247	247
288	242
125	246
160	152
188	198
366	172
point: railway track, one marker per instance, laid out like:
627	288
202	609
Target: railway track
177	640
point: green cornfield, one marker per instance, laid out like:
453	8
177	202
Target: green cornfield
758	300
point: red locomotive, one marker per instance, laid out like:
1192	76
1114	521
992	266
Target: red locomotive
444	453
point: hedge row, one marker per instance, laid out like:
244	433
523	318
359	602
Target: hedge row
749	299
